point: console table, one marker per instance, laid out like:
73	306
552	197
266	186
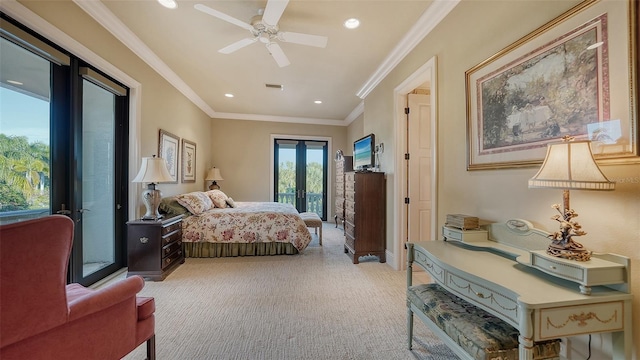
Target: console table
505	277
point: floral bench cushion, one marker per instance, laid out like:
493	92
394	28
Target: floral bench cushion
480	334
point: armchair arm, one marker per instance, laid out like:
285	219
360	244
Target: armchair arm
83	301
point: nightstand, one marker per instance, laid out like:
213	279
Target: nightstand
154	247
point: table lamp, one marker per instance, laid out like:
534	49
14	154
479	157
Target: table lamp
569	165
213	175
153	170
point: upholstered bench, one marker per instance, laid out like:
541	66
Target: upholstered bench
479	334
312	220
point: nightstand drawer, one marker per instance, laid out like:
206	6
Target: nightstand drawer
167	250
171	228
171	259
172	238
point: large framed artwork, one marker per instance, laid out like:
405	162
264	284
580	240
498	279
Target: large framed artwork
168	150
188	161
575	76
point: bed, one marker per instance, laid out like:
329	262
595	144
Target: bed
216	226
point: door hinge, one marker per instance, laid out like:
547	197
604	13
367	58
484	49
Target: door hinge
406	110
406	156
406	200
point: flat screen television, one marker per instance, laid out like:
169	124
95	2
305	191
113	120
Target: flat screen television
363	153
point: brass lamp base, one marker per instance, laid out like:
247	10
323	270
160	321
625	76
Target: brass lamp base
571	250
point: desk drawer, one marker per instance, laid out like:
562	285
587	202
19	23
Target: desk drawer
485	296
436	272
580	319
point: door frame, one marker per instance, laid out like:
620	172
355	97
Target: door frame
330	184
426	73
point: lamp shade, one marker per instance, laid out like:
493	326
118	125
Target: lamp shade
570	165
213	174
153	170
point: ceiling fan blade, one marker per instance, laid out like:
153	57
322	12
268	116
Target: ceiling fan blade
278	55
303	39
222	16
273	11
237	45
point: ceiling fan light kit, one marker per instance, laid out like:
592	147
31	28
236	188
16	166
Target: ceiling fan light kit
264	28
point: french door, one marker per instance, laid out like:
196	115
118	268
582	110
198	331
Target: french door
301	174
63	148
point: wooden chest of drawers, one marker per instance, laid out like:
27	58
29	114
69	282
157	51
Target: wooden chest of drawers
154	247
364	213
343	165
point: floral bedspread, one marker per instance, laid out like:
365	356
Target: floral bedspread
249	222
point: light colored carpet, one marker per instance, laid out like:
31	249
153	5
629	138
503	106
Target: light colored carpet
315	305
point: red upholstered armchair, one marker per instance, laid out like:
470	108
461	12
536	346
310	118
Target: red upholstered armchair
41	317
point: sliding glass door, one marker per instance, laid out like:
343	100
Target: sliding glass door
63	148
301	174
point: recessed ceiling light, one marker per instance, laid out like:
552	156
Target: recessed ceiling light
352	23
318	101
169	4
14	82
228	95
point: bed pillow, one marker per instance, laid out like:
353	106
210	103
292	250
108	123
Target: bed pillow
218	198
231	203
196	202
171	206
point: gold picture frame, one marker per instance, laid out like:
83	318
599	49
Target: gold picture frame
188	161
575	75
168	149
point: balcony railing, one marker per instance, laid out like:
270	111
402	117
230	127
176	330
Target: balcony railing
314	201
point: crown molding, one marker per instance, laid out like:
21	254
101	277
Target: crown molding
357	111
438	10
283	119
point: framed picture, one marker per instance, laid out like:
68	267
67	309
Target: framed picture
168	150
188	161
573	76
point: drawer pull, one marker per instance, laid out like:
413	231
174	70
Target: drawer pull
480	295
552	267
144	240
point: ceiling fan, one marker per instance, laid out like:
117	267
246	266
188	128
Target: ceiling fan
264	28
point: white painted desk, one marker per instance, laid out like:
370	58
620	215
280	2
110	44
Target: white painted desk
541	306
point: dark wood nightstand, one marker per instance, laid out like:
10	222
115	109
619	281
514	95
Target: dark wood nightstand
154	247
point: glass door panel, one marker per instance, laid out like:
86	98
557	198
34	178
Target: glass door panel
98	184
286	169
25	155
315	178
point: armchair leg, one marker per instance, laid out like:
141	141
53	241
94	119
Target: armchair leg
151	348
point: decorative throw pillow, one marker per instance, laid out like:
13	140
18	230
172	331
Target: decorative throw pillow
171	206
196	202
218	198
231	203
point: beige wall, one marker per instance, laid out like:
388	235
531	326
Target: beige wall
474	31
242	151
354	132
162	106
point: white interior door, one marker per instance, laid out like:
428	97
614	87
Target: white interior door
420	148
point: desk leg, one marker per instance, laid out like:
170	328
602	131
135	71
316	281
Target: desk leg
526	334
621	340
